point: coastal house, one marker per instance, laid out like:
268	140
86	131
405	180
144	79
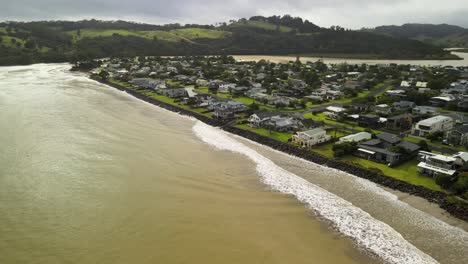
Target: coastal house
260	118
201	82
173	92
359	108
231	105
282	124
358	137
222	113
311	137
424	110
225	87
147	83
370	121
383	109
334	112
401	122
458	135
434	164
442	100
431	125
239	90
384	149
403	105
254	91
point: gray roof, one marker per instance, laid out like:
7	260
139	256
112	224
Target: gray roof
409	146
372	142
388	137
266	114
379	150
461	129
400	116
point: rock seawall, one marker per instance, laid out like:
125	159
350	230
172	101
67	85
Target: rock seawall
433	196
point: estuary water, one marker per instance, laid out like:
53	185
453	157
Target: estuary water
284	59
89	174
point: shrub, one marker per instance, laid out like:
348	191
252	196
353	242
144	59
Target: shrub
444	181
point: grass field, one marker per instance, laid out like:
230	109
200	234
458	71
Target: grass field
407	172
280	136
186	34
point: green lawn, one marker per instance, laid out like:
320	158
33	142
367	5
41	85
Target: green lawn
161	35
158	34
324	150
280	136
163	98
186	34
407	172
435	143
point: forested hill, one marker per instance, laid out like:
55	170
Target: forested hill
442	35
60	41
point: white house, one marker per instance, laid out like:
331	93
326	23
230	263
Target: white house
434	164
334	112
202	82
311	137
226	87
358	137
260	118
431	125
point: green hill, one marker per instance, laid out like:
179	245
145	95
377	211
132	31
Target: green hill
442	35
60	41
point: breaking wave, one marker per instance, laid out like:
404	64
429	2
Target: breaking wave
369	233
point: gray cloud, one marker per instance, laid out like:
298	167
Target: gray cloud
347	13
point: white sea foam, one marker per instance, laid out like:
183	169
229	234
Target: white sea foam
350	220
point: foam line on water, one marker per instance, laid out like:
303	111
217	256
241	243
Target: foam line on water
420	218
369	233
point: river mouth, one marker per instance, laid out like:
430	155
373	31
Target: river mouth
89	173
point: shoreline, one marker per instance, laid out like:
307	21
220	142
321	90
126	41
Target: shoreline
439	198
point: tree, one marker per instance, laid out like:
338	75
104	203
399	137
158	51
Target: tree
444	181
344	148
423	144
435	136
30	44
104	75
461	185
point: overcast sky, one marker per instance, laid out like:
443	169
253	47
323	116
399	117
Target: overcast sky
347	13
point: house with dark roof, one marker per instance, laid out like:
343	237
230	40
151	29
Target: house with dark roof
310	123
282	124
371	121
403	105
401	122
386	148
260	118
